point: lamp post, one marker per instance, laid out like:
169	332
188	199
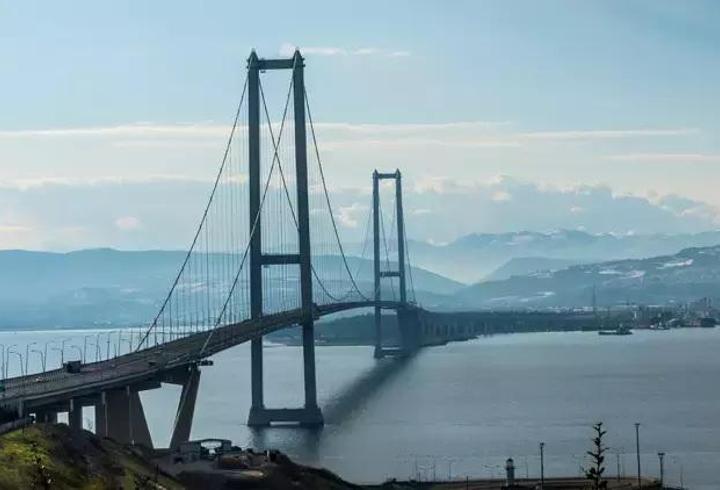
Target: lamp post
20	357
80	352
27	355
637	451
6	359
62	350
84	353
42	358
542	466
45	349
661	457
98	355
618	452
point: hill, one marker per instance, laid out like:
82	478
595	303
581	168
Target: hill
522	266
691	274
56	457
106	287
72	460
474	257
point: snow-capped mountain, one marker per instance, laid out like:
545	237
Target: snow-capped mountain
686	276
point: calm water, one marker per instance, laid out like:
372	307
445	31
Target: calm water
462	409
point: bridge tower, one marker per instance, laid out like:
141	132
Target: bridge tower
310	414
386	274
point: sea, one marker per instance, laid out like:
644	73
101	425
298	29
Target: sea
458	410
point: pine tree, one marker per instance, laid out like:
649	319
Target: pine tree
597	457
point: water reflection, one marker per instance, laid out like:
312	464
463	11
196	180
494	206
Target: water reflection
338	411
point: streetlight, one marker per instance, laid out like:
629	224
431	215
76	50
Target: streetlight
542	466
61	350
84	356
107	354
20	357
6	359
27	355
85	344
618	452
98	355
637	451
42	357
80	352
661	456
45	349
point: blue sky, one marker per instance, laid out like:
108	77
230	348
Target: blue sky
616	96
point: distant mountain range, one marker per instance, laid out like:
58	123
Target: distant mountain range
105	287
689	275
522	266
477	257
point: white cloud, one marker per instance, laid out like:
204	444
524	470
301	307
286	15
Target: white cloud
164	213
127	223
595	134
501	196
4	228
288	49
348	216
39	182
666	157
134	130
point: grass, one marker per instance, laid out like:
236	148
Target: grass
52	456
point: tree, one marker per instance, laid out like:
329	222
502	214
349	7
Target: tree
597	457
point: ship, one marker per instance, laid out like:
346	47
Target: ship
621	330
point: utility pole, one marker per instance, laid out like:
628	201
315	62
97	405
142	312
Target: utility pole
542	466
637	451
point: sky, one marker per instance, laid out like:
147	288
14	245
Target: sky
535	115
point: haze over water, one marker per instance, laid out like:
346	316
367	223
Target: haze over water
465	407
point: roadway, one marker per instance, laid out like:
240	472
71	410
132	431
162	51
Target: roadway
150	364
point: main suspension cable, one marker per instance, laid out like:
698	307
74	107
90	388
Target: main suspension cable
327	196
256	219
202	220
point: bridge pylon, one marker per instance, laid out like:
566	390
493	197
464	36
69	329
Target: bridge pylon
310	413
399	272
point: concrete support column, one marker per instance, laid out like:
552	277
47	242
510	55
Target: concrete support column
400	236
308	330
255	230
389	274
46	417
120	416
311	413
101	425
186	409
376	264
256	374
75	415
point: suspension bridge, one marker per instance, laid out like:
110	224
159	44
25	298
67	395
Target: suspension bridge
266	255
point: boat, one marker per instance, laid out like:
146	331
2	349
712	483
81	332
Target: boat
617	331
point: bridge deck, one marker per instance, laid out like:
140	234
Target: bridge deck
58	386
